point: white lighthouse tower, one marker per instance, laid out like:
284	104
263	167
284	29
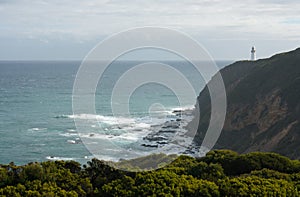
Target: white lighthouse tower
253	55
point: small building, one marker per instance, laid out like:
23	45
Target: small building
253	55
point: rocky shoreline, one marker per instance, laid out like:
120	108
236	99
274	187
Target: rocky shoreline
173	133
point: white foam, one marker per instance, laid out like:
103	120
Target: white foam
59	158
110	123
96	136
68	134
144	122
142	125
129	132
71	141
128	137
37	129
103	119
184	108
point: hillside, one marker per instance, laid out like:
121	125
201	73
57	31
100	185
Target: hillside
263	106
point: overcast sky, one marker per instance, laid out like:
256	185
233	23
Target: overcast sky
69	29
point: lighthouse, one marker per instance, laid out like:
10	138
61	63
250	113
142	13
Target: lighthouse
253	56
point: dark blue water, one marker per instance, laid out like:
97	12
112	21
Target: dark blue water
36	121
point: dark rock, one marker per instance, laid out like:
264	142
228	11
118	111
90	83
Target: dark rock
173	126
154	138
167	131
177	111
162	142
150	145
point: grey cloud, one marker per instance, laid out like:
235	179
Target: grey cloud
86	20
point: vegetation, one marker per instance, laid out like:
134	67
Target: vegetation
219	173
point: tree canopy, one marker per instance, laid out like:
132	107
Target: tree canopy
219	173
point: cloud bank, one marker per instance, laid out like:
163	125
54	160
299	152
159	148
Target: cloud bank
77	21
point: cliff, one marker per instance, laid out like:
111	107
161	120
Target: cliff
263	106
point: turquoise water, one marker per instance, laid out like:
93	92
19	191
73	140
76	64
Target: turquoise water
36	118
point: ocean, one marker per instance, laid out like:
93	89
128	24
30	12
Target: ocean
37	120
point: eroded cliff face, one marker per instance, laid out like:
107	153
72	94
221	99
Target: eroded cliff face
264	114
263	111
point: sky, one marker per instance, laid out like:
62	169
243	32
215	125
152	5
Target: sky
69	29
